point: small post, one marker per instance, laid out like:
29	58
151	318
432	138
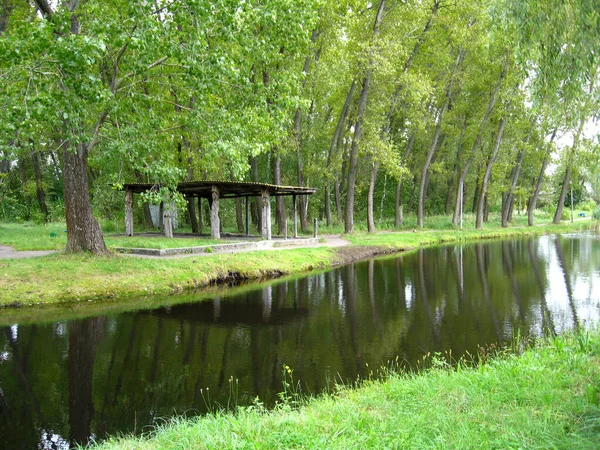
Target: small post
295	217
247	217
215	223
285	227
316	228
129	212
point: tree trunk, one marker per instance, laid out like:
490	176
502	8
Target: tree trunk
279	203
434	142
399	217
449	192
6	7
488	171
362	105
476	192
39	185
328	203
298	131
563	194
256	213
507	205
147	213
161	213
428	177
567	177
200	219
191	208
338	199
83	230
370	219
486	208
532	204
239	217
333	147
465	171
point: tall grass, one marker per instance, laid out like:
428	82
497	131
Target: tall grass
544	397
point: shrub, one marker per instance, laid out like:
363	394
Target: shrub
588	205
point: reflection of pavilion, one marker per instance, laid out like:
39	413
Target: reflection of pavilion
213	191
247	312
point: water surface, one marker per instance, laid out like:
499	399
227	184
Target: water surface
67	382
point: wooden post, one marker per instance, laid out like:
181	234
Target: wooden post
168	221
129	212
295	217
247	217
316	228
266	213
215	223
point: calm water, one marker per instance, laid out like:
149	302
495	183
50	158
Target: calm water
66	382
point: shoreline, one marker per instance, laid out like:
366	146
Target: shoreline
67	280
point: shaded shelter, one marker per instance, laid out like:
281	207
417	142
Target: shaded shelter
214	191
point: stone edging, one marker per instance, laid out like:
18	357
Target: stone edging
218	248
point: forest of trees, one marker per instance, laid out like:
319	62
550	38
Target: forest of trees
386	107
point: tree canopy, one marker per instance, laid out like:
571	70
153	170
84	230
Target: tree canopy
453	104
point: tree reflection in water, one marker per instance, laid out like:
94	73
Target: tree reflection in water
65	382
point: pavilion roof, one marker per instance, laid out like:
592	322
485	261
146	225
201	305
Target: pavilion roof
227	189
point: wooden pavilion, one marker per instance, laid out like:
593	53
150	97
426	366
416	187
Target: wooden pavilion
214	191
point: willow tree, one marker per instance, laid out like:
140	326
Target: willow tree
559	44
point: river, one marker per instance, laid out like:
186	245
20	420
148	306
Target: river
64	382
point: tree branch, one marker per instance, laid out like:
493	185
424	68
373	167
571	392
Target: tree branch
44	7
156	63
96	134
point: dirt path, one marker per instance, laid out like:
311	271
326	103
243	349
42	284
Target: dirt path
7	252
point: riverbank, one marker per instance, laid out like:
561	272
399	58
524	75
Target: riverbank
545	397
73	279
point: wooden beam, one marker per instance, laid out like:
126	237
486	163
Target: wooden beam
129	212
215	223
266	213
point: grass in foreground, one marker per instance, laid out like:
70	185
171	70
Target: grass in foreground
546	397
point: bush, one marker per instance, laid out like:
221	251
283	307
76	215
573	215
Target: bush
596	213
588	205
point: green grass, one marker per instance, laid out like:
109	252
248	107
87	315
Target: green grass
59	277
53	236
415	238
158	242
32	236
80	277
546	397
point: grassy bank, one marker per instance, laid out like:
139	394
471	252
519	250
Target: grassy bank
61	278
546	397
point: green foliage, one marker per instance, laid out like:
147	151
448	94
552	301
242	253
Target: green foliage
588	205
